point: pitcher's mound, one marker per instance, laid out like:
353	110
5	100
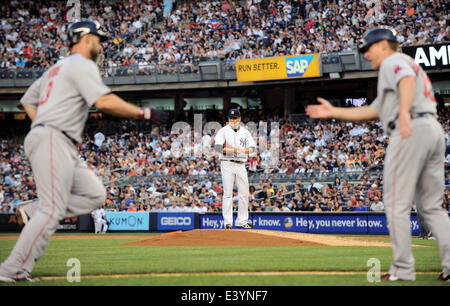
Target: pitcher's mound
221	237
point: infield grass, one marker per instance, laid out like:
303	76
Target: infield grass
105	261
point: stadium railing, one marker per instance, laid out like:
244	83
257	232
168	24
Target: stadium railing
254	178
206	70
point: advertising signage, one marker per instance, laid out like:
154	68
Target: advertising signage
128	221
278	68
430	56
319	223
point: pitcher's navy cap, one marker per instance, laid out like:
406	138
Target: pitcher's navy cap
234	113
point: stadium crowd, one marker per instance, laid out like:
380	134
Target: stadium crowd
156	35
327	165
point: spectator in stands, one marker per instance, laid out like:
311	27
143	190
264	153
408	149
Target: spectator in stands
376	205
317	208
122	207
306	206
202	28
349	206
336	207
360	206
174	207
373	192
132	208
7	207
314	187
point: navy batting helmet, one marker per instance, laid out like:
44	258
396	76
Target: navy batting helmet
81	28
375	35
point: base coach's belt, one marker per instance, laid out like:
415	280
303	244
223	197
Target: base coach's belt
392	126
234	161
64	133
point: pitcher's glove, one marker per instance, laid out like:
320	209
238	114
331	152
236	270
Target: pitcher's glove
157	116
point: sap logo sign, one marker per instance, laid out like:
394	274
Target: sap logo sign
176	221
296	66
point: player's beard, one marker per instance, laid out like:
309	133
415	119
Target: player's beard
96	56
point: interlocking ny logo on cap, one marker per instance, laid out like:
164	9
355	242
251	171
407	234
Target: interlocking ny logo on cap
234	113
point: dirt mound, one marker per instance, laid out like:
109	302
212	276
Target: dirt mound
221	237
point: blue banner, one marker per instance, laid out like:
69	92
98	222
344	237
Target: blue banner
211	221
176	221
291	223
215	221
324	223
415	225
128	221
338	224
377	225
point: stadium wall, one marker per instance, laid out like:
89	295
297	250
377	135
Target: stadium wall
371	223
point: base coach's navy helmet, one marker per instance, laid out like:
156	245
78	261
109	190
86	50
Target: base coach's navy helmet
81	28
375	35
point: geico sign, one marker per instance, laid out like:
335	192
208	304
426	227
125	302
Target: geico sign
176	221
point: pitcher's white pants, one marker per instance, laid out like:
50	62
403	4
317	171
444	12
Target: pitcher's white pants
234	172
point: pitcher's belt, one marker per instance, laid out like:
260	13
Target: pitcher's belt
234	161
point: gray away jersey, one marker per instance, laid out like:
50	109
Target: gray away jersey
392	70
64	94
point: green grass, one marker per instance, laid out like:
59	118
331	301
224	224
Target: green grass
108	257
238	280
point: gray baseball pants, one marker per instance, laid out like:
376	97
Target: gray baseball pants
411	164
65	187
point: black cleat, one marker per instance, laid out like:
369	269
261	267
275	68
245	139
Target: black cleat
228	226
444	278
245	226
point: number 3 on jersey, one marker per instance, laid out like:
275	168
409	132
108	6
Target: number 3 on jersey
428	92
47	91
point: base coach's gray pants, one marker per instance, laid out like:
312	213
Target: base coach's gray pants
65	187
416	164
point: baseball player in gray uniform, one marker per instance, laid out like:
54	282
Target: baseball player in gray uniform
415	155
234	143
58	104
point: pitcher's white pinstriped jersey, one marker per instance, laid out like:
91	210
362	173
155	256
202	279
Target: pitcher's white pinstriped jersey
237	139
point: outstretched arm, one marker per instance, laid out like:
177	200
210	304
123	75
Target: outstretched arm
116	106
326	110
